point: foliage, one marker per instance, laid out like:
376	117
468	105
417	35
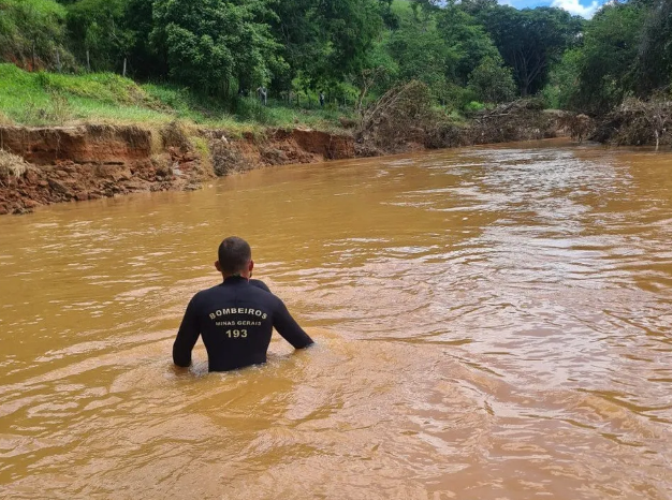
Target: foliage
205	58
96	28
492	82
421	53
32	31
531	40
211	44
51	98
609	51
563	81
468	40
652	70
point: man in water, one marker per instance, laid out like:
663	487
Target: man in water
237	317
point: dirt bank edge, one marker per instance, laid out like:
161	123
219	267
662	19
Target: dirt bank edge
41	166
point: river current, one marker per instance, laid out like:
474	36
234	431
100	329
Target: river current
492	323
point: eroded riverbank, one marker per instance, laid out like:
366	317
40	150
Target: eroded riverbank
41	166
52	165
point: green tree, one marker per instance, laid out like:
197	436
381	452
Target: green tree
145	61
563	80
31	33
653	64
421	53
215	45
467	38
492	82
326	41
378	71
531	40
96	27
611	43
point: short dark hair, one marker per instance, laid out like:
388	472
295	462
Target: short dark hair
234	255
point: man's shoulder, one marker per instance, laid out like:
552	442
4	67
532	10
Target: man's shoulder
261	285
204	294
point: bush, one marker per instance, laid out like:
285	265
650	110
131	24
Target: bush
32	32
492	82
474	107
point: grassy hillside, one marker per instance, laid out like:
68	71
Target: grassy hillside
38	99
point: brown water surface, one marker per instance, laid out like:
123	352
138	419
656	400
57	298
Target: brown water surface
493	323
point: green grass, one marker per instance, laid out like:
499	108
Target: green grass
39	99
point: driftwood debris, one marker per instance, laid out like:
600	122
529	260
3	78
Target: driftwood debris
638	123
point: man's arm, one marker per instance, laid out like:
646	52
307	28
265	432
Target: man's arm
289	328
186	337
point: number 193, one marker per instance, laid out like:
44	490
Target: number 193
234	334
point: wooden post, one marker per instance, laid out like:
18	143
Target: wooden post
124	72
32	65
58	60
88	61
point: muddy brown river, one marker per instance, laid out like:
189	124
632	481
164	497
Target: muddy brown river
493	323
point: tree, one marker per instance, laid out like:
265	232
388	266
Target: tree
145	60
96	28
611	42
563	80
467	38
32	32
531	40
379	68
492	81
215	45
653	64
421	53
326	41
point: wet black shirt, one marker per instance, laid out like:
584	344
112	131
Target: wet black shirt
236	320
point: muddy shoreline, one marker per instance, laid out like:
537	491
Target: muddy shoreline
42	166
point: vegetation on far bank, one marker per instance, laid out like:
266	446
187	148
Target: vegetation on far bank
38	99
203	61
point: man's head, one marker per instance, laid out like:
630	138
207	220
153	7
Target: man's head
235	258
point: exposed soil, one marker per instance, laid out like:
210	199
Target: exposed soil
85	145
61	164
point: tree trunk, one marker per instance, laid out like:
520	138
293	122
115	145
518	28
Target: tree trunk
360	99
124	71
88	62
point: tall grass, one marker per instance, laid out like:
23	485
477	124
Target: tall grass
38	99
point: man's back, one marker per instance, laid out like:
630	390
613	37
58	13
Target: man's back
236	320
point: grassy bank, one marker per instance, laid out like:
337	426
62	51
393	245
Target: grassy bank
41	99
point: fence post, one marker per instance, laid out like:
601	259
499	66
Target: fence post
88	61
58	60
124	72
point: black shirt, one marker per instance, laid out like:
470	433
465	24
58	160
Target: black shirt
236	320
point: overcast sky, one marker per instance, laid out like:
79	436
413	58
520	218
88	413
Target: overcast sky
585	8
